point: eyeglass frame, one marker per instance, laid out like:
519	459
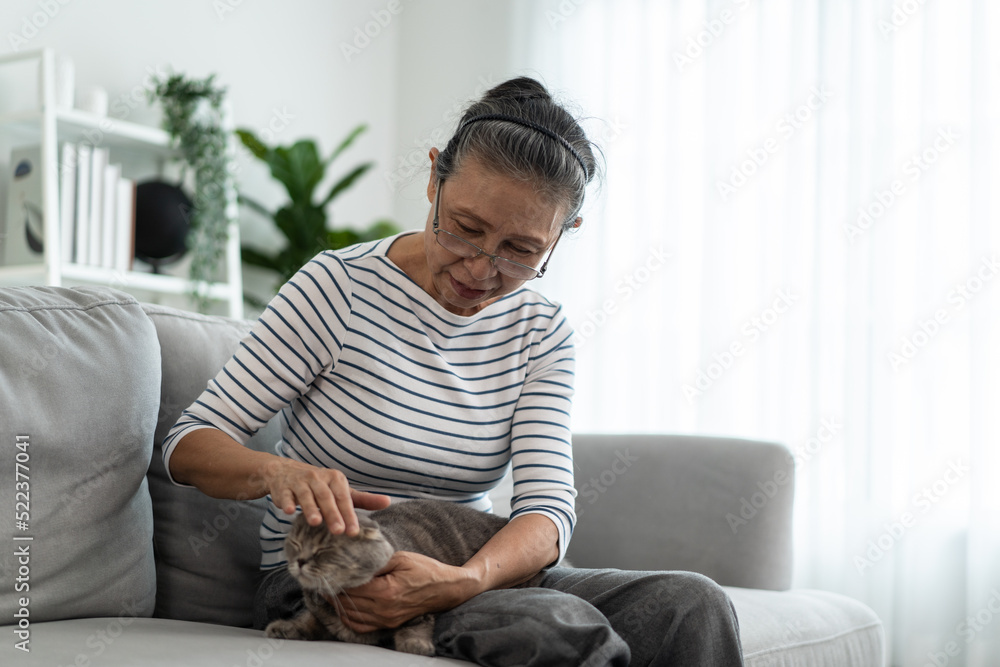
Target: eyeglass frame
479	251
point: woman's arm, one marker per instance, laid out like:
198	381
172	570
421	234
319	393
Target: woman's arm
412	584
221	467
296	338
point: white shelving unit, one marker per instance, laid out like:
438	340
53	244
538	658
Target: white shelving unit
49	126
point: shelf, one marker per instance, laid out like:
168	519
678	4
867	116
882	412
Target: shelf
137	147
81	126
117	279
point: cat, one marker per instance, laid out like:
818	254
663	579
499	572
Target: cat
325	564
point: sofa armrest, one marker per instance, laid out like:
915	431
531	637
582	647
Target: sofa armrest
718	506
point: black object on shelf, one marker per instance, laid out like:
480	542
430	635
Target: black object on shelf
162	222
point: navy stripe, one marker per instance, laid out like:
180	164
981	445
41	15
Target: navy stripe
417	393
541	496
393	453
445	371
540	465
540	437
423	412
542	481
435	351
504	435
545	451
428	326
305	322
420	443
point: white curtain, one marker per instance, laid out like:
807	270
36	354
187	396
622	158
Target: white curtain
798	240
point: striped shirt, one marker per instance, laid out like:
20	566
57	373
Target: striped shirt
375	378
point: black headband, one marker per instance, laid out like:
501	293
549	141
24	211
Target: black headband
534	126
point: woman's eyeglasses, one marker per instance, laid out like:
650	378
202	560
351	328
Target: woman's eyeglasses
459	246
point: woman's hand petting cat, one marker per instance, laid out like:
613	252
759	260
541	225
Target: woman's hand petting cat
322	493
409	585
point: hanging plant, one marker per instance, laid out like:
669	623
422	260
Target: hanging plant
194	114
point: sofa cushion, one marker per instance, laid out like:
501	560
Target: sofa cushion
718	506
207	550
79	387
123	641
802	627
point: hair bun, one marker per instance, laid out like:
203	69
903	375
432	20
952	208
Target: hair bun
522	88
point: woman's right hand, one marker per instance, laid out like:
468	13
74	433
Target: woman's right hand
322	493
220	467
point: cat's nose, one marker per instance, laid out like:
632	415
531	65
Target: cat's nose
302	561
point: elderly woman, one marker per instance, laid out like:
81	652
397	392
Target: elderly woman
421	366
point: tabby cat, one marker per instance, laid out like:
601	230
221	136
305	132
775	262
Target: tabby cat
326	564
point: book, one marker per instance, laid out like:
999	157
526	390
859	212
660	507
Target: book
99	160
82	234
125	225
109	209
23	237
67	200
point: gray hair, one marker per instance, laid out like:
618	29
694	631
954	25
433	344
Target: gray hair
538	141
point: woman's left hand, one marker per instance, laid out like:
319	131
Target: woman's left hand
409	585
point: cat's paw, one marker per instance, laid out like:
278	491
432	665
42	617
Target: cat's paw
286	629
415	645
417	637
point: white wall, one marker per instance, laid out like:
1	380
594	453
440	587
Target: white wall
450	51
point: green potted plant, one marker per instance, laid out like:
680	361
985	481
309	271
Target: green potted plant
303	219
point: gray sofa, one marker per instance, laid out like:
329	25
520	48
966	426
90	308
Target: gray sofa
123	568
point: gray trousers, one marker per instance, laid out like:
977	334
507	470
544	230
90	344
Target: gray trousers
583	617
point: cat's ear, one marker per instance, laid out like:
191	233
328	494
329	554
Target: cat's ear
369	533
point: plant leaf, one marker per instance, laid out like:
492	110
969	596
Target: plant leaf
346	182
379	230
341	238
299	168
301	225
251	141
254	257
255	205
346	143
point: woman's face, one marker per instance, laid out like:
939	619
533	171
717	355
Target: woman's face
501	215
